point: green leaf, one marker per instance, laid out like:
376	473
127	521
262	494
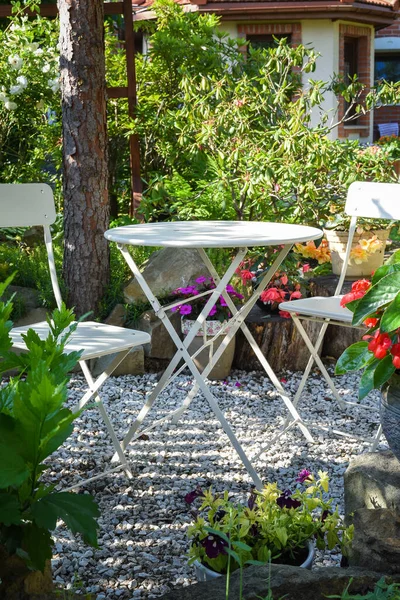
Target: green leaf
394	259
383	371
355	357
220	534
241	546
234	555
13	469
377	296
78	511
367	380
38	544
391	317
10	510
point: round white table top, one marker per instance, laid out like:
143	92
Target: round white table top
212	234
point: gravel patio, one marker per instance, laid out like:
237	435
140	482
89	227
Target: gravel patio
142	542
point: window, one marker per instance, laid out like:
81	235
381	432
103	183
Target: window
387	66
266	40
350	67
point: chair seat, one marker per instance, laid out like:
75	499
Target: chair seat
95	339
319	306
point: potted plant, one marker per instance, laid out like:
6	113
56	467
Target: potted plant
33	424
275	525
189	309
376	304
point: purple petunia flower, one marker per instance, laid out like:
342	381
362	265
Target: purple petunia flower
238	384
230	289
185	309
213	310
303	476
191	496
222	301
190	289
214	546
252	499
201	279
285	500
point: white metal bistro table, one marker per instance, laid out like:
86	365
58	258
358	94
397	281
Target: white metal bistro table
202	235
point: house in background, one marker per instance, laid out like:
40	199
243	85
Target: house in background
352	36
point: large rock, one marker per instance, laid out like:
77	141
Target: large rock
133	363
291	583
376	540
166	270
372	480
161	345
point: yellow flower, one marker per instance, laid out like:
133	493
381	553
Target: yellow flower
365	248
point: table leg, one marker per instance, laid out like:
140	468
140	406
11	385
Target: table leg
182	353
238	323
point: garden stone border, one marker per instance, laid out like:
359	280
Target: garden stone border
292	583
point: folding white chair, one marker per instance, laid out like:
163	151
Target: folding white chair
368	200
32	204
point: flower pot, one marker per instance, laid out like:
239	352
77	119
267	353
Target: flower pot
337	241
211	328
203	573
390	414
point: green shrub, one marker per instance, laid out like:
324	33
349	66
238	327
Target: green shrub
33	424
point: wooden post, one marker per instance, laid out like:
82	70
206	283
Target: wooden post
134	147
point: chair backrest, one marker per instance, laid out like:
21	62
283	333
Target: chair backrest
370	200
27	205
373	200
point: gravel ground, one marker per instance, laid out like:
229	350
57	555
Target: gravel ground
142	541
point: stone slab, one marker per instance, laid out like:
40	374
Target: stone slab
376	540
372	480
292	583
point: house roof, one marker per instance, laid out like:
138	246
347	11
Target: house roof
379	13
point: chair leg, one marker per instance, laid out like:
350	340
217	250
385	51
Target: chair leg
376	439
93	389
314	354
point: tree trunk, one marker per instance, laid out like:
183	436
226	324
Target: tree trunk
86	205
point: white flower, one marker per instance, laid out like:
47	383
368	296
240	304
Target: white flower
38	52
10	105
33	46
54	84
15	61
46	68
3	97
22	80
16	89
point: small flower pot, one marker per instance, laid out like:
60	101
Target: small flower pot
211	328
337	241
203	573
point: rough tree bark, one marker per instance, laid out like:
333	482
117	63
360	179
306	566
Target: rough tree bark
86	204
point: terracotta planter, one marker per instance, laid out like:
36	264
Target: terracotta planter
203	573
390	414
337	241
211	328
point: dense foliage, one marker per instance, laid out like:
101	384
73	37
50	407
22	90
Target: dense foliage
226	135
29	101
33	424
